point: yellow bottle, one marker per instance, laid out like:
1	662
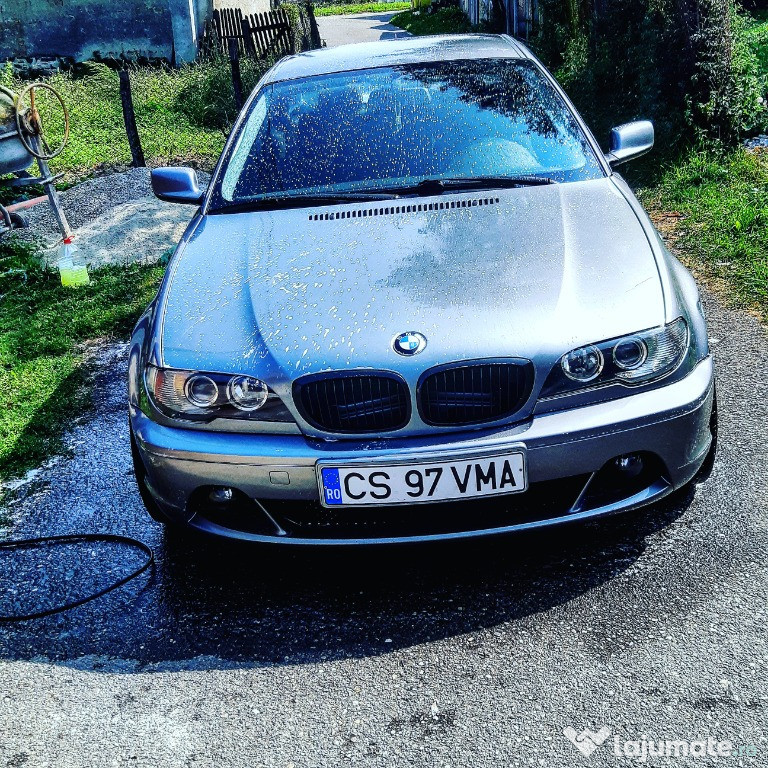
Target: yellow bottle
73	271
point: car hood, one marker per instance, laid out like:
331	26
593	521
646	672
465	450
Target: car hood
529	272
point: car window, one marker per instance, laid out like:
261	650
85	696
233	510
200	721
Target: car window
243	148
389	126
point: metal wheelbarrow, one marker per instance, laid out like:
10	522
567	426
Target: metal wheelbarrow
22	141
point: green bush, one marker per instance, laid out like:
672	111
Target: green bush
725	100
755	35
335	9
689	65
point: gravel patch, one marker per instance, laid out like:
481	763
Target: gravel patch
116	220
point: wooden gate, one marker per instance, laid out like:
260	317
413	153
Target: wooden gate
262	35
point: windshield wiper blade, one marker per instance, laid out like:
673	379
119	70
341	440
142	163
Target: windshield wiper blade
436	186
303	201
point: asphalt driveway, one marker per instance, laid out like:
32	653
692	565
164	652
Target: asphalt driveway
358	28
651	625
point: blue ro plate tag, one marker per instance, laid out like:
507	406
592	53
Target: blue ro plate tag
399	483
331	486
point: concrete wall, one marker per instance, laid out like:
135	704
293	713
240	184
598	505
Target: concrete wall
82	29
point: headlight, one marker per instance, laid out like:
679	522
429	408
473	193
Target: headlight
629	354
201	390
205	396
583	365
635	359
247	393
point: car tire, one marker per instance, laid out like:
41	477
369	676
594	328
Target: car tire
140	473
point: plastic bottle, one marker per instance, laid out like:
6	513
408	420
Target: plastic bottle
72	269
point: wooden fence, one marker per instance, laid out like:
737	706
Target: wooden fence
261	35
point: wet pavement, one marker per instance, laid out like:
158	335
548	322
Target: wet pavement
651	624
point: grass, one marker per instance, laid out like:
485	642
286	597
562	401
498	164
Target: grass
756	34
441	22
181	115
336	9
42	329
714	209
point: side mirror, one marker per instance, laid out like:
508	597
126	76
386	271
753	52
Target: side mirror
629	141
176	185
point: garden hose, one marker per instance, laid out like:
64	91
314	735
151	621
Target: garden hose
80	538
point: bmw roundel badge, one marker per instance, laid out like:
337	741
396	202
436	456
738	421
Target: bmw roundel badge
409	343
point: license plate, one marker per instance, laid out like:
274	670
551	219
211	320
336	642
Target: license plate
389	484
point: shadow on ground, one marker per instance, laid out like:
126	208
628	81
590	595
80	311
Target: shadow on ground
212	604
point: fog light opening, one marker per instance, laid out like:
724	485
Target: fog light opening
231	508
621	477
221	495
629	465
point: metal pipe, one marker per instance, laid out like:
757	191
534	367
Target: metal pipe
53	195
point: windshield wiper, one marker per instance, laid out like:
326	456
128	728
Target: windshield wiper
302	201
425	187
438	186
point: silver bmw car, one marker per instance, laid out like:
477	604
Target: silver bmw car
416	302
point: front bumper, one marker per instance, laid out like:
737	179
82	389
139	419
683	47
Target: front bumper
566	452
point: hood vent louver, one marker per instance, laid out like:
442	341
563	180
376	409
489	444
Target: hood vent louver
391	210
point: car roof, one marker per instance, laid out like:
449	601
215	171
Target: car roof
403	50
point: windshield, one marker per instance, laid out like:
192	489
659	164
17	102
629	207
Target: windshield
393	127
